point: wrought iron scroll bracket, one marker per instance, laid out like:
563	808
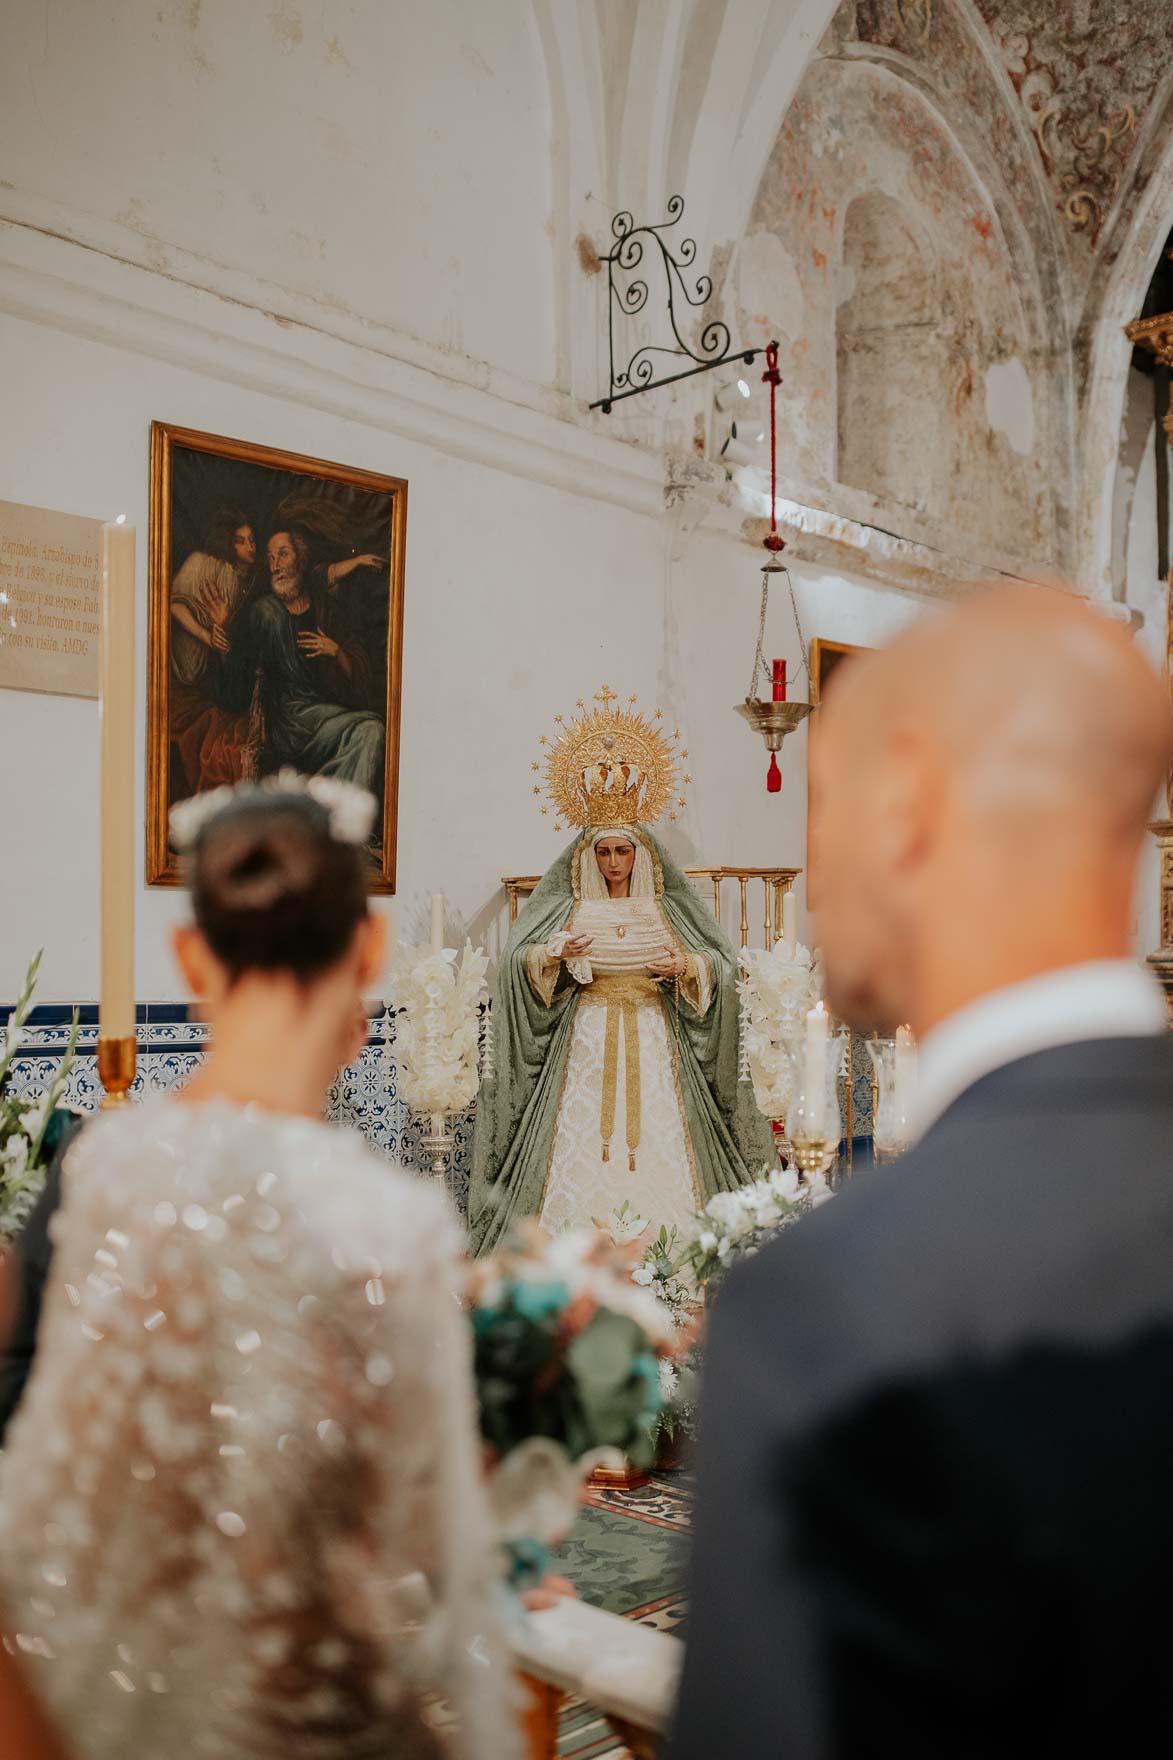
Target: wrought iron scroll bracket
628	293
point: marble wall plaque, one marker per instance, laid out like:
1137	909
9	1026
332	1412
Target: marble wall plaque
49	601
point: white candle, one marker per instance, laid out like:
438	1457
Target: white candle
116	722
904	1079
789	922
814	1075
437	922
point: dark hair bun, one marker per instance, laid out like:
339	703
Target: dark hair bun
273	890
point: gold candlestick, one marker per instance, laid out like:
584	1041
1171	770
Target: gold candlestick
814	1155
117	1059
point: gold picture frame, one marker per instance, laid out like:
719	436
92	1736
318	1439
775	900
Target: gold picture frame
825	657
235	686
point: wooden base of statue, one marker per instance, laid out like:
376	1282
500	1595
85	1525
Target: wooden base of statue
624	1478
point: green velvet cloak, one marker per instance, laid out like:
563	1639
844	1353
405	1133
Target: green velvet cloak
513	1133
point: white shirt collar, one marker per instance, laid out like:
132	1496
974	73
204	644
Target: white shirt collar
1103	999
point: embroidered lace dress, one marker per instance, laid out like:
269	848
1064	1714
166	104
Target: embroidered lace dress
240	1510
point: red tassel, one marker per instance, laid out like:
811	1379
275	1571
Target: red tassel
774	776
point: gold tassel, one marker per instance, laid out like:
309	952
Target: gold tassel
634	1098
610	1078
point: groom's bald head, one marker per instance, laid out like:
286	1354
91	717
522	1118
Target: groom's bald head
980	795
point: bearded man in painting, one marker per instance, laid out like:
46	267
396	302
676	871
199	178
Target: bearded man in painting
316	682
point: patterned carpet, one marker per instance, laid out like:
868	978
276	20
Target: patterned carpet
628	1554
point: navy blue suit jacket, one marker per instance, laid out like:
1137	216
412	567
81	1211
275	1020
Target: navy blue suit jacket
935	1499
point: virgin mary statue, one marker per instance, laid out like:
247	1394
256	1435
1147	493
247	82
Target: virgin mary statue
615	1017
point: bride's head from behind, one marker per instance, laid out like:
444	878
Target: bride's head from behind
283	944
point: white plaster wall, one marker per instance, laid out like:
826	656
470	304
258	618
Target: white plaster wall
382	163
346	231
520	598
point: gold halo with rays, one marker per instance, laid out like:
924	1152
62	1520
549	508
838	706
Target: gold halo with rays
611	766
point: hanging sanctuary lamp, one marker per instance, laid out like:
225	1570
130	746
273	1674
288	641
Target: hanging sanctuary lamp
776	716
662	362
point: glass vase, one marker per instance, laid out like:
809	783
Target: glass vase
894	1073
814	1118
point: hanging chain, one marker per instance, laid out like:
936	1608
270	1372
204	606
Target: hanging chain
759	659
760	669
774	544
798	627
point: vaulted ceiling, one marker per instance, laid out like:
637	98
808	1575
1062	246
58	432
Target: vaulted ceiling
1089	75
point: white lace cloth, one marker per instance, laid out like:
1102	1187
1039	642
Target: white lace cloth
241	1511
581	1186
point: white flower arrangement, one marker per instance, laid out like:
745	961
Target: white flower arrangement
351	810
678	1269
437	1037
734	1225
776	991
24	1118
657	1271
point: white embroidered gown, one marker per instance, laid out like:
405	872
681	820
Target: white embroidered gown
589	1178
240	1509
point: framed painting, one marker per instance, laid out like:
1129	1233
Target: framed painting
275	629
825	657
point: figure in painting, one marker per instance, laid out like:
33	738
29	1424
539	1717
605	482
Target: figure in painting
276	617
208	740
615	1016
316	681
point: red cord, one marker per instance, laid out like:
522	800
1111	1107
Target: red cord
773	378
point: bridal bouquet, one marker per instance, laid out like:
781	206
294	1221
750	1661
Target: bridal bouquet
567	1355
566	1346
30	1128
436	1042
776	991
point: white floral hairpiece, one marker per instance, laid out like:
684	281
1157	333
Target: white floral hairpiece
351	811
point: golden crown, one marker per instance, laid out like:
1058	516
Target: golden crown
611	767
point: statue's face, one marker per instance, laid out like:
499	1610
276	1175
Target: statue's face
616	859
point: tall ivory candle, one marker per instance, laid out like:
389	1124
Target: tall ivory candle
818	1037
437	922
789	922
116	721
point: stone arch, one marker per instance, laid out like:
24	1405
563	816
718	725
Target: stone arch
1104	355
890	361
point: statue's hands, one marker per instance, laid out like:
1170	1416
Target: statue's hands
576	948
670	964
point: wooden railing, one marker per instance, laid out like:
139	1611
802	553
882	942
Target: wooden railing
775	883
